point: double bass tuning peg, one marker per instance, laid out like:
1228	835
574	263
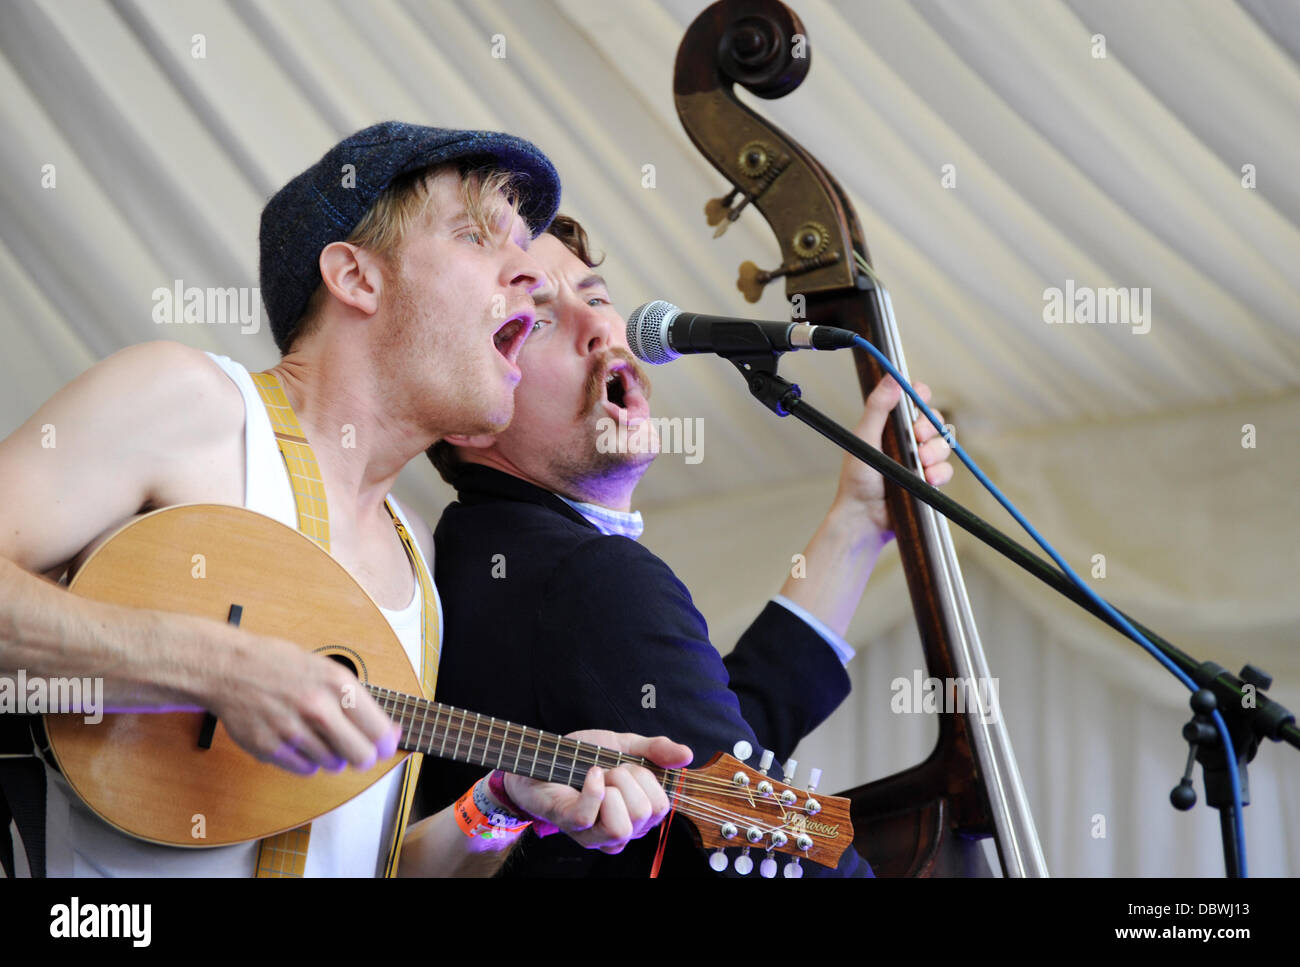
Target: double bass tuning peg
752	279
719	212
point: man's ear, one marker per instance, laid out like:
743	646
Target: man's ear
479	441
353	276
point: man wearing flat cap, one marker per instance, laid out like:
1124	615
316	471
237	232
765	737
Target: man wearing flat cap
398	283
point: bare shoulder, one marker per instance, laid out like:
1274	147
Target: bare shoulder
158	399
105	445
148	384
154	373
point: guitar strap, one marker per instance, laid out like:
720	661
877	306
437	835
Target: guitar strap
285	854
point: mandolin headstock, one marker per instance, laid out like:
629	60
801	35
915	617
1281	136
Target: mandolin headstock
730	804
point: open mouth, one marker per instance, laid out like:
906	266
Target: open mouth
624	395
509	339
615	391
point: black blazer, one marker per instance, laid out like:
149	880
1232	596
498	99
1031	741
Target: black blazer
552	624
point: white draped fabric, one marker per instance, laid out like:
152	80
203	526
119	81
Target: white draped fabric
994	149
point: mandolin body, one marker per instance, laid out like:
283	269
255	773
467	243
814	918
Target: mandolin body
146	773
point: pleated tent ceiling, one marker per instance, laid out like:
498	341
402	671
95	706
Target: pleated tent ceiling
994	151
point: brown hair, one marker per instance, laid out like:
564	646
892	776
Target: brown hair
569	231
574	237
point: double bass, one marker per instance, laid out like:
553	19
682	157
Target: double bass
926	820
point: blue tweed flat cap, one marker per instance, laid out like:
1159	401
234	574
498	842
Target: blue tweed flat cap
315	208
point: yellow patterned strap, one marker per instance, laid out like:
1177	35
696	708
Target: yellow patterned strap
304	474
430	652
286	853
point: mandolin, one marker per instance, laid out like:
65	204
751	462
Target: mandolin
152	775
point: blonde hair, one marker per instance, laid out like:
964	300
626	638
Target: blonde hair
489	195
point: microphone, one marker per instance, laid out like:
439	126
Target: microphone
659	331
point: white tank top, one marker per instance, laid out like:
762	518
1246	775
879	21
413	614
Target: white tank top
350	841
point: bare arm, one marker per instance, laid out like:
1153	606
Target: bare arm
150	426
843	551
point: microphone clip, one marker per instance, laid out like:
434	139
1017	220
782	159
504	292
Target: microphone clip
759	373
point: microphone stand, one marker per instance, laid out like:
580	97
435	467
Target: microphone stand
1249	714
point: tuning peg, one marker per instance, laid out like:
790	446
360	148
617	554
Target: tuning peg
788	769
793	870
767	868
764	787
715	209
742	750
743	863
718	860
751	281
813	807
718	211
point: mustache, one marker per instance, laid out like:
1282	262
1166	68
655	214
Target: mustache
594	391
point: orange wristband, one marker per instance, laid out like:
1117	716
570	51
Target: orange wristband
474	821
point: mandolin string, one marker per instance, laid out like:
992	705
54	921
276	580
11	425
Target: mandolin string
542	742
719	813
499	748
460	721
705	809
418	709
689	806
530	740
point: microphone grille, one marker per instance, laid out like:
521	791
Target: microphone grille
647	331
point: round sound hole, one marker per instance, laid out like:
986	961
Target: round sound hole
348	658
345	661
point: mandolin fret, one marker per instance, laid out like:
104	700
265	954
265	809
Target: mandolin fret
473	736
440	730
424	721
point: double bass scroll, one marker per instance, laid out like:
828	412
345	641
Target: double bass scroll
927	819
